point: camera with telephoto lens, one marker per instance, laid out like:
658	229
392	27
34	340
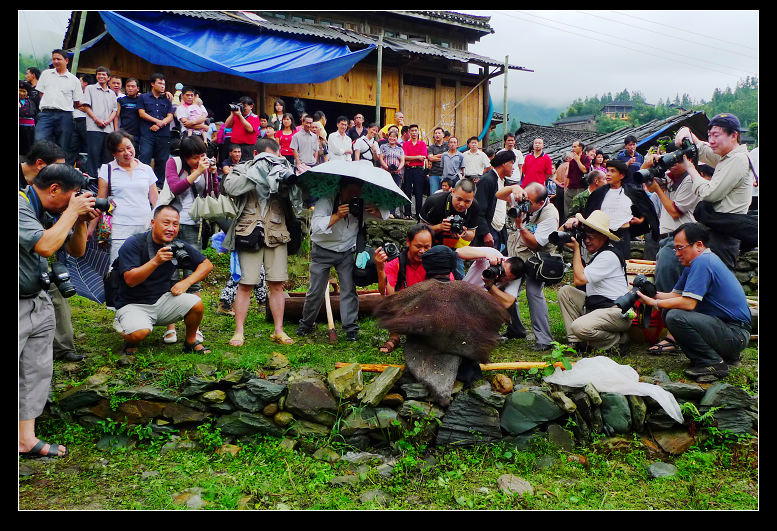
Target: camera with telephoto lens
665	162
102	204
517	210
457	224
237	107
61	278
493	272
391	249
356	206
181	258
641	283
560	237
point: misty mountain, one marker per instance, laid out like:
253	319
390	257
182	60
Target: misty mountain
533	113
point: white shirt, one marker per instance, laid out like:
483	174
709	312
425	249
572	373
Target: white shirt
129	189
518	155
685	201
364	146
341	236
338	145
474	163
474	275
500	212
605	276
59	90
617	205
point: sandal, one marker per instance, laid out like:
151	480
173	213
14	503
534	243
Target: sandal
665	346
170	337
281	339
35	451
198	336
193	348
389	346
237	340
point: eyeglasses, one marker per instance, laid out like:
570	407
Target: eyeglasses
678	249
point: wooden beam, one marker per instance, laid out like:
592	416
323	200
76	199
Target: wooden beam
505	366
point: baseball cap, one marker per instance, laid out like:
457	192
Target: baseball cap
724	120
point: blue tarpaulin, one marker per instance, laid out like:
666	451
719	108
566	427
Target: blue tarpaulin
201	45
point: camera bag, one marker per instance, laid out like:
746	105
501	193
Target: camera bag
111	282
105	226
545	267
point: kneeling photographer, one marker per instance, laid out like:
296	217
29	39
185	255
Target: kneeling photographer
501	277
145	293
707	311
535	218
53	214
591	317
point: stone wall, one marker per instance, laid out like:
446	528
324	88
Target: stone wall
371	412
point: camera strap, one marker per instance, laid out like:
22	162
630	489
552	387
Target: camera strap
401	273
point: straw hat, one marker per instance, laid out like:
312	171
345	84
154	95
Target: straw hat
600	222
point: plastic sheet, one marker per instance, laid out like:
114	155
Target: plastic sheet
610	377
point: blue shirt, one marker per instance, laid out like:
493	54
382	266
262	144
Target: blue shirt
716	288
158	108
624	156
129	119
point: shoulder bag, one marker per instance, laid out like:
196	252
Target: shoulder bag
545	267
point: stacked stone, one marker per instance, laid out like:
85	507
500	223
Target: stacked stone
389	230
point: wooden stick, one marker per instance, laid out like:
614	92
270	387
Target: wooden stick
753	337
505	366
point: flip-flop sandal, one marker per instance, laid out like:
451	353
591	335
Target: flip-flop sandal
53	450
193	348
237	340
389	346
170	337
665	346
281	339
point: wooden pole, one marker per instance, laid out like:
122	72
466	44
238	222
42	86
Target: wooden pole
380	78
505	366
504	123
79	39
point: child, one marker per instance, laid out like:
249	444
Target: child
445	185
27	113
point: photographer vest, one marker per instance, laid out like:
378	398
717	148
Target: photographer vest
595	302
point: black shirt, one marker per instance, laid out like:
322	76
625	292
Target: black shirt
438	207
129	119
134	253
434	149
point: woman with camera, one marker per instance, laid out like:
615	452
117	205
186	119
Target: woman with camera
132	186
188	175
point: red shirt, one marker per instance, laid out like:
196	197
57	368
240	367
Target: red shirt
239	135
285	142
413	151
536	169
413	274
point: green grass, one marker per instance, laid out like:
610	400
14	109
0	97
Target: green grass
265	476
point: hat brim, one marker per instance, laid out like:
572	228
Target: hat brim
597	228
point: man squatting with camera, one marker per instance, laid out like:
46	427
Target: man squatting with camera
145	297
51	214
334	228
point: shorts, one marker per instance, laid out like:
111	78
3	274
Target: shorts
166	310
275	260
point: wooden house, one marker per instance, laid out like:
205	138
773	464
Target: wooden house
420	57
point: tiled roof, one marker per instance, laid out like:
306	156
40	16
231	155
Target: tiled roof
574	119
480	23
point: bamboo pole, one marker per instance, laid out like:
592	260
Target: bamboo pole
505	366
79	39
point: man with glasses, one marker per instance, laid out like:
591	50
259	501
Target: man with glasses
707	311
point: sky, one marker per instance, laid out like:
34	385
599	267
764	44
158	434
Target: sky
575	54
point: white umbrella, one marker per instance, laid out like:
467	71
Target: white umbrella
324	181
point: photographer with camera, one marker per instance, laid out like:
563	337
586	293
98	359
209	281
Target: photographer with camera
535	219
245	126
450	215
631	157
334	232
591	318
147	292
492	230
707	311
730	191
52	215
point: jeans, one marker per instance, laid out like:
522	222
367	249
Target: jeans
705	339
434	183
158	148
97	152
414	184
55	126
77	140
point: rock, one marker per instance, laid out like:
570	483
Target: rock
502	384
245	400
524	442
369	418
684	391
582	405
243	423
581	428
374	391
182	414
288	444
346	382
113	442
674	441
597	422
593	394
543	462
638	412
728	396
415	391
283	418
310	398
377	496
392	400
662	470
326	454
302	427
510	484
78	397
192	498
147	392
348	479
205	369
560	437
97	380
660	420
563	401
233	377
277	361
469	421
737	421
265	390
488	396
414	409
616	412
360	458
661	377
195	386
217	396
743	276
526	409
141	411
652	450
385	470
149	474
228	449
579	459
270	409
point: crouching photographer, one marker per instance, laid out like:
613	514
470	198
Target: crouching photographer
591	318
501	277
707	311
52	214
145	293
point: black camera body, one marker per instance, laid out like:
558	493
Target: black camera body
100	203
457	224
393	168
493	272
181	258
561	237
520	208
356	206
61	278
662	165
237	107
391	249
641	283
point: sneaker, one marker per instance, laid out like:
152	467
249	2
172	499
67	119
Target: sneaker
718	370
353	335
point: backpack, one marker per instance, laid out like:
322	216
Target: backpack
545	267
